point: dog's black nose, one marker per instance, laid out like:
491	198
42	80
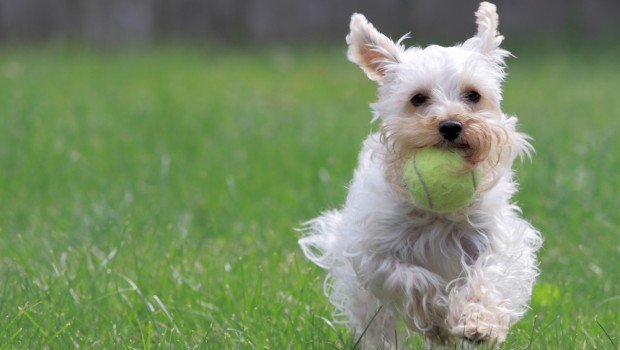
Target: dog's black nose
450	129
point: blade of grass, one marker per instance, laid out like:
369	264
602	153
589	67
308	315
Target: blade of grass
359	340
11	338
607	334
56	334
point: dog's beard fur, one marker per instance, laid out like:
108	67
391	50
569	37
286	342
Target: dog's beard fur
483	141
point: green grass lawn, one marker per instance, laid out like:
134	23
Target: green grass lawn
148	199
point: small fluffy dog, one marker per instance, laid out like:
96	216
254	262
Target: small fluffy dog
457	278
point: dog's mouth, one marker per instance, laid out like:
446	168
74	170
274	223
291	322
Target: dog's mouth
483	143
474	137
457	134
475	140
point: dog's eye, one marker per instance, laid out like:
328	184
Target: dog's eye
472	96
419	99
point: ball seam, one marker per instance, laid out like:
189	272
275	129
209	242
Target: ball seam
473	180
419	175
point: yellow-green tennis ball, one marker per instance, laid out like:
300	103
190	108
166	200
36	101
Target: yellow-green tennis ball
436	179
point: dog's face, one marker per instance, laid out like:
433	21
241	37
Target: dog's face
446	96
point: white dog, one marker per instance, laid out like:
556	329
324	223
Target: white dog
458	278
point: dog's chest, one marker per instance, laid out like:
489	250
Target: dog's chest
443	249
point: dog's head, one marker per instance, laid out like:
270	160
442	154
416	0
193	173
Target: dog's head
442	96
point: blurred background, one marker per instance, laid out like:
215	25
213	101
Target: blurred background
144	22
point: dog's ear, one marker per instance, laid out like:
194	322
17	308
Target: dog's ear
487	40
369	49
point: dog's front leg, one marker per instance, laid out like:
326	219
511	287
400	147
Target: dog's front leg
412	291
497	287
484	306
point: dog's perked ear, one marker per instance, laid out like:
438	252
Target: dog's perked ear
488	39
371	50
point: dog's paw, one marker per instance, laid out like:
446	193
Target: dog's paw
478	325
477	336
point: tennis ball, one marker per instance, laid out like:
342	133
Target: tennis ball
436	179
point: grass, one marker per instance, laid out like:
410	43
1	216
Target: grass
148	199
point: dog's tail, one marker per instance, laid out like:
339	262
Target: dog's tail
322	246
319	238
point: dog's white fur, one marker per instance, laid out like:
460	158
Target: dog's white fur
458	278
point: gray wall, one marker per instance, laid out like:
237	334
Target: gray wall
110	22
